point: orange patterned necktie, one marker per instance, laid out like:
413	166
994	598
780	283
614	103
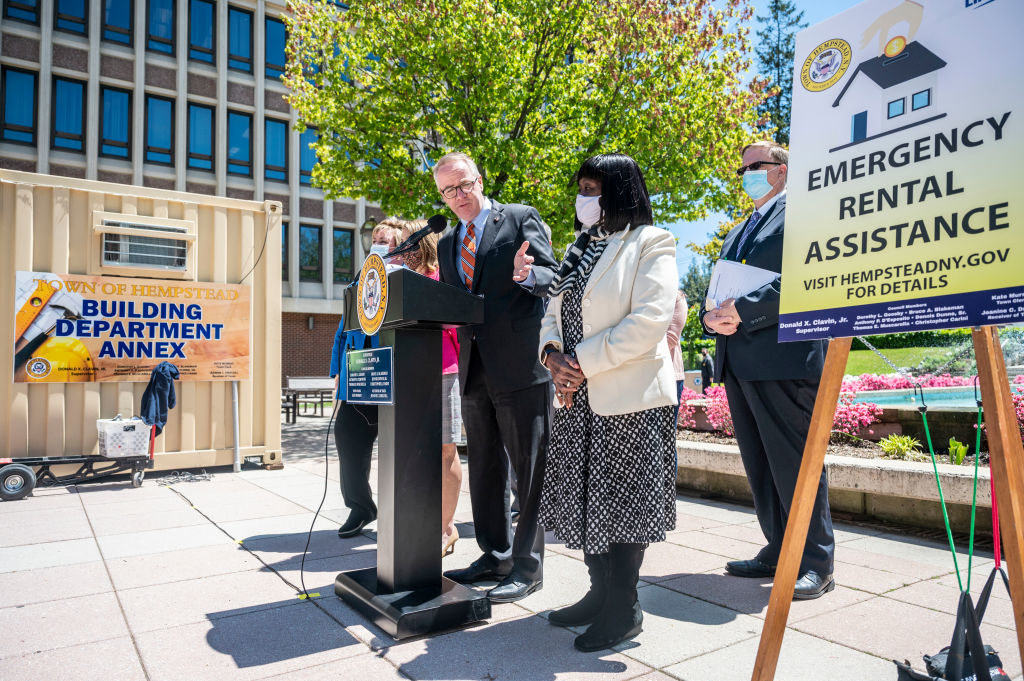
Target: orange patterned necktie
468	255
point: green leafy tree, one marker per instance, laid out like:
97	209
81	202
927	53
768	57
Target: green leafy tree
776	49
528	88
694	281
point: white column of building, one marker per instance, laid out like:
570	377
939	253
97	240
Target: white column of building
328	208
259	66
44	127
92	92
221	56
360	219
181	85
139	94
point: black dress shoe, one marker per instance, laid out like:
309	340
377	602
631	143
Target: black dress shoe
812	585
480	570
513	588
354	524
749	568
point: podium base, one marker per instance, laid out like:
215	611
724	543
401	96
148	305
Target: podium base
412	613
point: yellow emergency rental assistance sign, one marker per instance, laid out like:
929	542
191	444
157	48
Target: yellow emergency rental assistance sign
903	210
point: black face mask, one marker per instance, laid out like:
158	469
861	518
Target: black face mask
413	261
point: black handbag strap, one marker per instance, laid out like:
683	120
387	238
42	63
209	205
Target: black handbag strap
967	635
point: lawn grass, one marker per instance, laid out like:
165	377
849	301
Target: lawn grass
867	362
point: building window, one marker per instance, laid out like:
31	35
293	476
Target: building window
71	15
284	251
239	143
309	253
202	26
160	26
131	241
276	39
342	255
921	99
896	107
276	158
307	156
200	137
117	20
68	114
159	130
22	10
239	39
18	119
116	114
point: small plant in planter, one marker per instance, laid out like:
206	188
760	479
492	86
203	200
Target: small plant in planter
957	451
902	447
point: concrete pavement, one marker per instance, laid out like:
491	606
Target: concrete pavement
198	580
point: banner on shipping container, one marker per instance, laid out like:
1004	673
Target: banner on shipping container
904	210
71	328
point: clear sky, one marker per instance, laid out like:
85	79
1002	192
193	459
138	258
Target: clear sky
814	12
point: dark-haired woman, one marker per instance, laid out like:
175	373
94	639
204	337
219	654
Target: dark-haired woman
609	488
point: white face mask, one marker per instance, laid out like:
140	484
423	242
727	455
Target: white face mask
379	249
588	210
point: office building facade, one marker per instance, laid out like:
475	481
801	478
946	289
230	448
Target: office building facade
184	95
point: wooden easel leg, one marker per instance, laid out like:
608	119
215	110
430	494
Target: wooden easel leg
800	510
1007	461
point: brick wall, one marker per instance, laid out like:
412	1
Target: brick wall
306	352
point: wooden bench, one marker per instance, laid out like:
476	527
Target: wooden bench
315	390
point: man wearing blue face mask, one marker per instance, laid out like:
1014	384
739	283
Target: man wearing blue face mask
771	386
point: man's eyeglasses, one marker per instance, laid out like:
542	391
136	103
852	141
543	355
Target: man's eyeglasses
466	187
756	165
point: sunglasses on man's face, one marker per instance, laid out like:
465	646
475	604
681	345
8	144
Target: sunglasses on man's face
756	165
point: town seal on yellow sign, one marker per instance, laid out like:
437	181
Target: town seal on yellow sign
372	294
825	65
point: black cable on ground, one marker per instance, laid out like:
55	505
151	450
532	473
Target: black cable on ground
327	465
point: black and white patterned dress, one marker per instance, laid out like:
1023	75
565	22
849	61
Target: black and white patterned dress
609	479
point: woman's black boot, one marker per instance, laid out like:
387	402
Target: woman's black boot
621	618
586	609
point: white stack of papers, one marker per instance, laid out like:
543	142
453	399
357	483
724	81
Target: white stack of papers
731	279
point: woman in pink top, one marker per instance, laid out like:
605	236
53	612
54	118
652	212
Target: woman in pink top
424	261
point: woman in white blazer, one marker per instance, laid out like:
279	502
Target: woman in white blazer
609	485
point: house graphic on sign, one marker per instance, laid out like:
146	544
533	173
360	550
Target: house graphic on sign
894	91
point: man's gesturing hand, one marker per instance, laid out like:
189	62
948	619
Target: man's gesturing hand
522	263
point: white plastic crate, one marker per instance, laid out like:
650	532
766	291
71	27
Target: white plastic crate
119	437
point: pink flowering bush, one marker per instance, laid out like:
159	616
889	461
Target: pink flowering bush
1019	378
687	410
1018	407
866	382
851	416
717	410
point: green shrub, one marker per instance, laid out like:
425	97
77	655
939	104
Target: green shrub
901	447
957	451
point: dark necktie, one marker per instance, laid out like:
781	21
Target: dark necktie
748	230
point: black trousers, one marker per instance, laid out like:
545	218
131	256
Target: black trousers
506	431
771	419
355	429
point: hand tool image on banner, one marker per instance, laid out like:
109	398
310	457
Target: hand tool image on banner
41	300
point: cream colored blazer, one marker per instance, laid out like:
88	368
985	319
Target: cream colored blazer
627	307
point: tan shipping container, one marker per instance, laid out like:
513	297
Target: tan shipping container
49	224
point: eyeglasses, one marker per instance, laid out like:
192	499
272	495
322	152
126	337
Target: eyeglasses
756	165
466	187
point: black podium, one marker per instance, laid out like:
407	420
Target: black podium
406	595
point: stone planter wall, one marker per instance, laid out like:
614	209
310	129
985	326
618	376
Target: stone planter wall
898	491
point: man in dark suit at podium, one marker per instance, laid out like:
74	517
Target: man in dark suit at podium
771	386
506	393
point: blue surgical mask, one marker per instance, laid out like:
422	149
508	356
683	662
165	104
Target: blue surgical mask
755	183
379	249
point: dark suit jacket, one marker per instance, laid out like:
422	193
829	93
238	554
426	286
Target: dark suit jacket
754	352
507	340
